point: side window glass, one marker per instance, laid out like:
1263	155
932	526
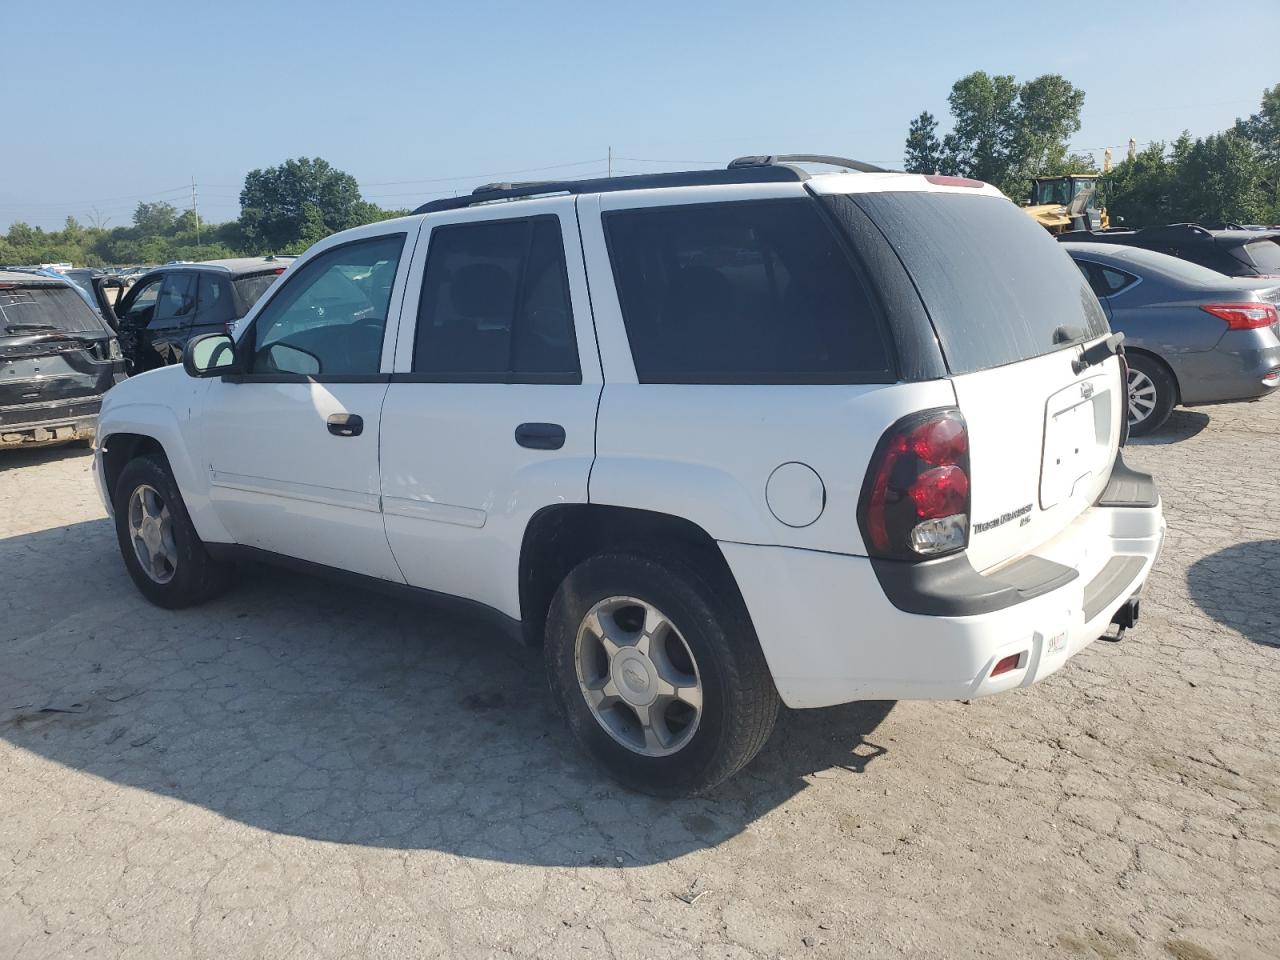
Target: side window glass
754	291
331	315
1115	280
1096	284
177	300
214	305
143	304
495	304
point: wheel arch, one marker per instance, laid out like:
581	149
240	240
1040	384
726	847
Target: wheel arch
559	537
1163	364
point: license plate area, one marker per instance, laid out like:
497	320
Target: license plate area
1071	440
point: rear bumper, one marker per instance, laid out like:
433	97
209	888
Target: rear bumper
1238	368
831	634
37	424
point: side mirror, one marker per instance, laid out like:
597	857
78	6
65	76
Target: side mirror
209	355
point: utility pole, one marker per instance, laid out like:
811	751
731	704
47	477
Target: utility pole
195	212
611	161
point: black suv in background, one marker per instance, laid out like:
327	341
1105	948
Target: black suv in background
173	303
57	358
1237	253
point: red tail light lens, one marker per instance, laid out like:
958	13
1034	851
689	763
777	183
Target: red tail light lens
943	180
915	500
279	270
1243	316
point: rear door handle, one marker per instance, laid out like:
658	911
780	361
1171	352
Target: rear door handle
346	424
540	436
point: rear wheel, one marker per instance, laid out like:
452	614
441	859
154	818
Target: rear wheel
161	549
659	675
1151	394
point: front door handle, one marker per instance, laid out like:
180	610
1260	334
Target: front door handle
540	436
346	424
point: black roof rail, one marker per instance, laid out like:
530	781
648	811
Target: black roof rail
784	158
491	192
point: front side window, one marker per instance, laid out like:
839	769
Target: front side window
143	304
330	317
755	291
495	305
177	300
214	304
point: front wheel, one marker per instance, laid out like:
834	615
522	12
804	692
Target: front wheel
659	675
1151	395
160	546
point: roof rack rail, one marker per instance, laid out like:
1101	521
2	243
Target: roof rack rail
491	192
784	158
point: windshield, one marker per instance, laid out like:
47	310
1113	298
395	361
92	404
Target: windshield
997	286
1263	254
38	309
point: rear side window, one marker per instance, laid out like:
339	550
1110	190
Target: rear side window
495	305
997	286
26	310
1263	254
1105	281
754	291
251	287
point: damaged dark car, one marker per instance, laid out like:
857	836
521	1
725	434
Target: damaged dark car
57	358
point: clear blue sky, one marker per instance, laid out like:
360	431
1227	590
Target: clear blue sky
140	97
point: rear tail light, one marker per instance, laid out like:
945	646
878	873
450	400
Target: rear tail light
1243	316
915	500
943	180
278	271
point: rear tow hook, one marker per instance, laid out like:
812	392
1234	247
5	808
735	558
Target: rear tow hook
1123	619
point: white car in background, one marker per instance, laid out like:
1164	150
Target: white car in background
715	440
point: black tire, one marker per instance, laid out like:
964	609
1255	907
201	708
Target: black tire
1147	374
196	576
739	702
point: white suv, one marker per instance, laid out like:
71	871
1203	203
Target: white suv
712	439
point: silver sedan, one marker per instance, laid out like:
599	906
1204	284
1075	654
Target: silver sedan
1192	336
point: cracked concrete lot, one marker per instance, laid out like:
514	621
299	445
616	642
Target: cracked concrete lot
300	771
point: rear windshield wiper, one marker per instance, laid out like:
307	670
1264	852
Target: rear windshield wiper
29	327
1099	352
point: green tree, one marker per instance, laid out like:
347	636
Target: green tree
1263	131
154	219
279	206
924	150
1003	131
1141	190
1221	178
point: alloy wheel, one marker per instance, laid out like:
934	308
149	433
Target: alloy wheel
638	676
1142	396
151	531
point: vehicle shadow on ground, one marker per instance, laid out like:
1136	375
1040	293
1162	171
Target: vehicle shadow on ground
330	713
1238	588
16	457
1181	425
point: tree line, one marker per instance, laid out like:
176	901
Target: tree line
1006	132
283	209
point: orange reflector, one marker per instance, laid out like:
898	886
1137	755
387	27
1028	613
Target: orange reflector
1006	664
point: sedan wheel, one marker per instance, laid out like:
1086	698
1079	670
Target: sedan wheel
1142	397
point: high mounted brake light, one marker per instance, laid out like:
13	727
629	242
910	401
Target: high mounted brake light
944	181
1243	316
915	500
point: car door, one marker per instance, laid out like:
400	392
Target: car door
134	314
292	442
490	415
175	308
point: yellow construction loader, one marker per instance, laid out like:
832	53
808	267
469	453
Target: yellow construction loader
1072	202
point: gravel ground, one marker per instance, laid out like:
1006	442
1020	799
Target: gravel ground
294	771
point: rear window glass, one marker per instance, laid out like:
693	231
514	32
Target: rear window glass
756	291
997	286
1264	254
35	309
251	287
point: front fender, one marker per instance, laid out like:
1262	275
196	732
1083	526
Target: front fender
135	407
